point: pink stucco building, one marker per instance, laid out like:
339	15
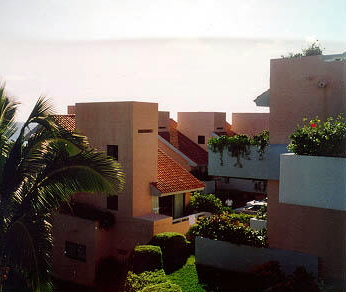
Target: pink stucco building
157	189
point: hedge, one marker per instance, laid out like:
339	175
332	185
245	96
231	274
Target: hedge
146	258
135	283
163	287
175	249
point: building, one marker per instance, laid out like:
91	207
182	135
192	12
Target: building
157	189
306	195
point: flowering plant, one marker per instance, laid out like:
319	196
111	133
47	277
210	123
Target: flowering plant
318	138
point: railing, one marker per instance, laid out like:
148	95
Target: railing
193	218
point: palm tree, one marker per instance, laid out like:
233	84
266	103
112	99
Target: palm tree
39	171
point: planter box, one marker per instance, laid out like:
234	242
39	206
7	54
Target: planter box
243	258
313	181
258	224
267	168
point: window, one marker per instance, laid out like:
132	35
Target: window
201	139
75	251
145	131
112	203
219	128
112	150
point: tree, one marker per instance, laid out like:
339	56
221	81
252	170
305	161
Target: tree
39	171
313	50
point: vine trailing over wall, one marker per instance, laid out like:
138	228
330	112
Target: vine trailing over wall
239	145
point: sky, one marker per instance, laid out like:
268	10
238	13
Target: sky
187	55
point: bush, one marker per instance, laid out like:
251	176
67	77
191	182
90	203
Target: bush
135	283
146	258
163	287
224	227
320	139
175	249
269	274
206	203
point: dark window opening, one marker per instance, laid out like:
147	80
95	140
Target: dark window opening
145	131
201	139
219	128
112	150
75	251
162	127
113	203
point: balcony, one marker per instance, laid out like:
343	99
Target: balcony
266	168
313	181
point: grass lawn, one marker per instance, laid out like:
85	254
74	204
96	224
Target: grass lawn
187	277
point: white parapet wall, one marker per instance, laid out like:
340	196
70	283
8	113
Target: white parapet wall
258	224
243	258
313	181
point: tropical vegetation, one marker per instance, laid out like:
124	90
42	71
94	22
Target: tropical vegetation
238	146
39	171
318	138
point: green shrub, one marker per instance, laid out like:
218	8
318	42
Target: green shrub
135	283
175	249
206	203
224	227
239	145
146	258
320	139
262	213
163	287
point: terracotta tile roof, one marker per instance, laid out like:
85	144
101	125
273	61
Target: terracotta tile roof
172	178
192	150
228	131
66	121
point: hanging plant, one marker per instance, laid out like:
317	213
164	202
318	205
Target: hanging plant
239	146
261	141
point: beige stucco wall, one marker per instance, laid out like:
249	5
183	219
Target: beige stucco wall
311	230
164	121
80	231
117	123
194	124
294	93
250	123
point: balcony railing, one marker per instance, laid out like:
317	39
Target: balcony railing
268	167
193	218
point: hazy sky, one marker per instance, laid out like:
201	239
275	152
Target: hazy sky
188	55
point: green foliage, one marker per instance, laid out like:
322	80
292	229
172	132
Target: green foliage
262	213
163	287
39	171
320	139
224	227
187	277
206	203
239	145
135	283
269	274
175	249
313	50
146	258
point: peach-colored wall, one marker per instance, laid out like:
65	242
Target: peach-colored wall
194	124
164	121
310	230
174	155
166	225
145	145
294	93
80	231
117	123
250	123
71	110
